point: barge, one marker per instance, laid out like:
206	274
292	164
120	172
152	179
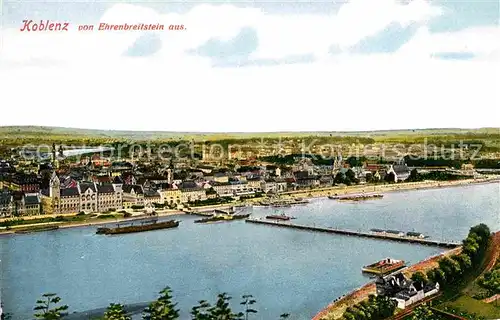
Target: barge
384	267
356	197
282	205
279	217
139	228
36	229
220	218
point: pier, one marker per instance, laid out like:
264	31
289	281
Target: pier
357	233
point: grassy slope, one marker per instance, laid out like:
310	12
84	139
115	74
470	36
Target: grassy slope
473	306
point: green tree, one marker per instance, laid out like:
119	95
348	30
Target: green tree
222	311
423	312
481	230
43	307
414	176
339	178
464	261
351	176
116	311
390	177
201	311
385	306
419	277
163	308
248	301
470	246
439	276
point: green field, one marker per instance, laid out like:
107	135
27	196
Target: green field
473	306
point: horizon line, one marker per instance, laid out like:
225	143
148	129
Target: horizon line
239	132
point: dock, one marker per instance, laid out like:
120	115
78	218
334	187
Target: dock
360	234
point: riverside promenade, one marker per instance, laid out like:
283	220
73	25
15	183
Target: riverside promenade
356	233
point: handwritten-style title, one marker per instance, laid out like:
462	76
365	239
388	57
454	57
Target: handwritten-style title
48	25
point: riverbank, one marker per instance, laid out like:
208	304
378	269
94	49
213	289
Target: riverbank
305	194
336	309
389	187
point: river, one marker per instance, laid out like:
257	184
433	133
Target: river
286	270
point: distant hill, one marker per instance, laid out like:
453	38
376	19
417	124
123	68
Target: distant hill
25	131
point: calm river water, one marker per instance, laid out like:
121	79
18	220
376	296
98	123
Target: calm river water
286	270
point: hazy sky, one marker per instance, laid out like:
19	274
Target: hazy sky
253	65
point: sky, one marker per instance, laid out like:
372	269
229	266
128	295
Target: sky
253	66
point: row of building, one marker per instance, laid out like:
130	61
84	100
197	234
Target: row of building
121	186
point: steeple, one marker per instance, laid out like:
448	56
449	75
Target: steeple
61	153
54	186
53	152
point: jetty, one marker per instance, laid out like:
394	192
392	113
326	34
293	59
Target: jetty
360	234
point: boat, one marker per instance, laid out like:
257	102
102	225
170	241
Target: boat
300	201
36	229
384	267
223	217
282	205
139	228
279	217
356	197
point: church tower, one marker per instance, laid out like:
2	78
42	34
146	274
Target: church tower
169	176
54	186
53	152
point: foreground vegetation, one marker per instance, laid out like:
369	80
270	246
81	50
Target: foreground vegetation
49	307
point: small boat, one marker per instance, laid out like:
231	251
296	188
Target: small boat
139	228
384	267
282	205
279	217
226	217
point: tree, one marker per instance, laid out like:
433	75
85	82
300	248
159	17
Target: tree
385	306
419	277
439	276
369	177
481	230
284	316
201	311
423	312
116	311
248	301
221	309
451	268
339	178
414	176
163	308
351	176
390	177
464	261
44	310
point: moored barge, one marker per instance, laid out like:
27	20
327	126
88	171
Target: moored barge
218	218
384	267
36	229
279	217
356	197
139	228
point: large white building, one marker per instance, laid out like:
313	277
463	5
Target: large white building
85	197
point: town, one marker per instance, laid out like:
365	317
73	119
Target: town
63	182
